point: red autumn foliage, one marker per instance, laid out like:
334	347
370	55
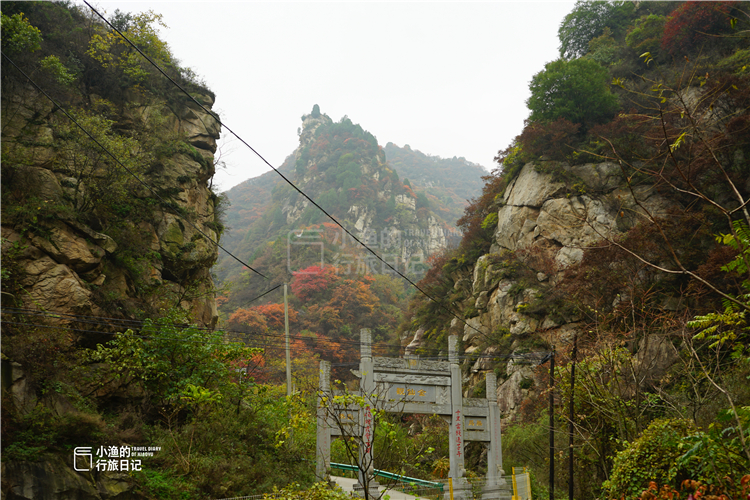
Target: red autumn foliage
556	140
313	281
692	23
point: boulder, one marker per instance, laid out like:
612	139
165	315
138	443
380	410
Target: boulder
416	342
64	246
515	226
603	177
531	188
55	287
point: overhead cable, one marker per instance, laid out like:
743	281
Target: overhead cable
133	174
294	186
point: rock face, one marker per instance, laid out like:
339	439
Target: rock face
541	211
66	265
81	237
54	479
551	213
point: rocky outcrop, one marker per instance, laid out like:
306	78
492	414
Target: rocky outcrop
551	213
53	479
417	240
538	210
66	265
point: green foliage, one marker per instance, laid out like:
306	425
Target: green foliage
317	491
730	328
55	67
587	21
737	63
715	455
112	51
646	33
604	49
162	484
30	436
18	35
170	362
652	457
576	90
98	182
490	222
422	201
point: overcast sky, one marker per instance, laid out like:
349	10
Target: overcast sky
449	79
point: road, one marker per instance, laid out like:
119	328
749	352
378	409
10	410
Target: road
347	485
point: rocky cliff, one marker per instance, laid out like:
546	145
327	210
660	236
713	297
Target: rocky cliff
548	216
107	220
67	263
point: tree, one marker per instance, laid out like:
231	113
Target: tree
18	35
693	22
587	21
314	282
576	90
368	436
695	135
646	34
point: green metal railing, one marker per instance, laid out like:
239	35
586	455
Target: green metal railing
392	476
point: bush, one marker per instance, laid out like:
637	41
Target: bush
651	457
575	90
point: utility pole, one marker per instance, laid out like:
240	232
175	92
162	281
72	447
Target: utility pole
288	351
288	362
552	425
572	416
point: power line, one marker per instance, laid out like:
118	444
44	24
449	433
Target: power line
264	293
279	172
273	342
133	174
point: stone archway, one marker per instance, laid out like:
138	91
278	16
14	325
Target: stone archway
412	385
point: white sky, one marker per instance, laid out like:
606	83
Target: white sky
449	79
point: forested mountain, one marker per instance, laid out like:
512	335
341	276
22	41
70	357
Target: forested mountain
448	182
282	235
362	190
615	232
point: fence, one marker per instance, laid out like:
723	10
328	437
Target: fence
521	484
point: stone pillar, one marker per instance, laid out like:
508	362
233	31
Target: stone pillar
495	487
323	438
366	419
461	488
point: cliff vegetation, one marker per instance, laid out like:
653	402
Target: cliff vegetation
614	232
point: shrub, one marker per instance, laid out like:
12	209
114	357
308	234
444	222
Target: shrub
651	457
692	23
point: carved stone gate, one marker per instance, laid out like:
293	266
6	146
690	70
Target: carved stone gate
413	385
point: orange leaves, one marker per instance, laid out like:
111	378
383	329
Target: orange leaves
695	490
247	320
313	282
274	315
260	319
354	300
